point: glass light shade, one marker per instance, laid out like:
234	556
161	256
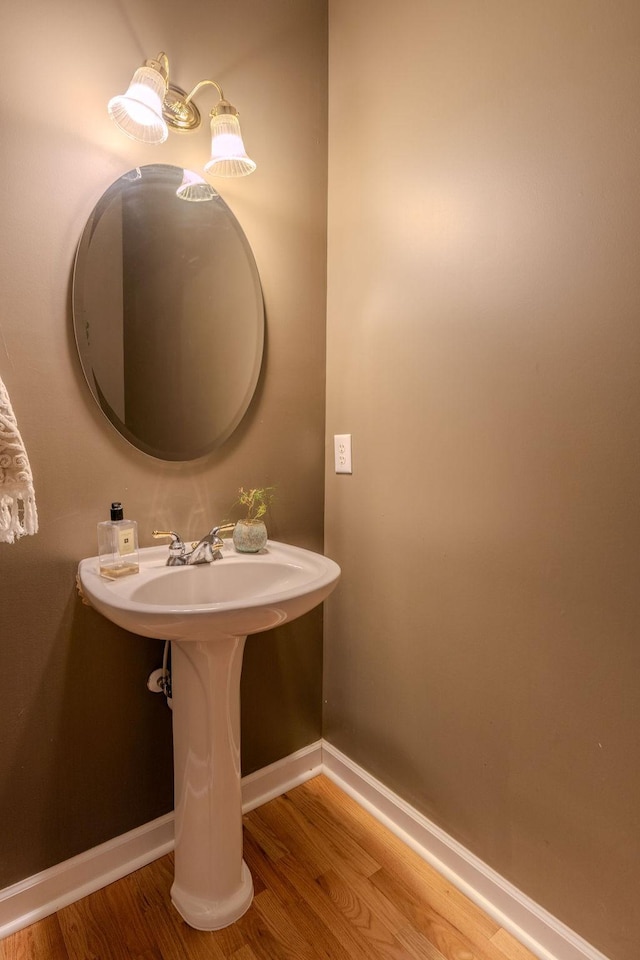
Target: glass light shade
194	188
228	156
138	112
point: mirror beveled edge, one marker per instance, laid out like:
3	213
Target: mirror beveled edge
168	315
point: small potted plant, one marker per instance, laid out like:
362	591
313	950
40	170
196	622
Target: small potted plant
250	532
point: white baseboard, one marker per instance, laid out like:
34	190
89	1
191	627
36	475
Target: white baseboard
531	924
546	937
43	894
283	775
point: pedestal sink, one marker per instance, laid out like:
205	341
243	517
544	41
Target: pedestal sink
207	611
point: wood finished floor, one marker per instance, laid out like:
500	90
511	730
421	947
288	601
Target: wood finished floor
330	882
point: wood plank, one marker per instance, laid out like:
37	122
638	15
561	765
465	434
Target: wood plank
266	838
264	944
452	943
277	881
126	907
366	921
177	940
315	898
229	940
402	862
153	883
298	836
328	824
290	926
266	870
40	941
89	930
244	953
414	943
509	947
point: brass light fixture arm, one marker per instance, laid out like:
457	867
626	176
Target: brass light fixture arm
161	64
202	83
178	109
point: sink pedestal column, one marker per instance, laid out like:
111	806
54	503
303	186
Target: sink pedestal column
212	885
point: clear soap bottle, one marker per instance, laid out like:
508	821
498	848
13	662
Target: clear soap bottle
118	545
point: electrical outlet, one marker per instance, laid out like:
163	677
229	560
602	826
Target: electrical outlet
342	451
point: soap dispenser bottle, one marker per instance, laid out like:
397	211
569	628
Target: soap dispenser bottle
118	545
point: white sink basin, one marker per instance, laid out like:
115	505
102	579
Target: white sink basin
238	595
207	611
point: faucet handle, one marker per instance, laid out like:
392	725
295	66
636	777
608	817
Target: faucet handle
156	534
221	529
176	547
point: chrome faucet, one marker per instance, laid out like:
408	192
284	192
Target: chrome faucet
203	551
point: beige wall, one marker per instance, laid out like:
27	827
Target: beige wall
85	749
482	653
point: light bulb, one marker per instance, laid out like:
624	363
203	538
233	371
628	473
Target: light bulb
228	155
138	112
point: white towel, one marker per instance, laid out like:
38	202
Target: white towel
18	514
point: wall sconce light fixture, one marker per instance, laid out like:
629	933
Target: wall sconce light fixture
152	105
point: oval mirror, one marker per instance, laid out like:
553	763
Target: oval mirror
168	312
